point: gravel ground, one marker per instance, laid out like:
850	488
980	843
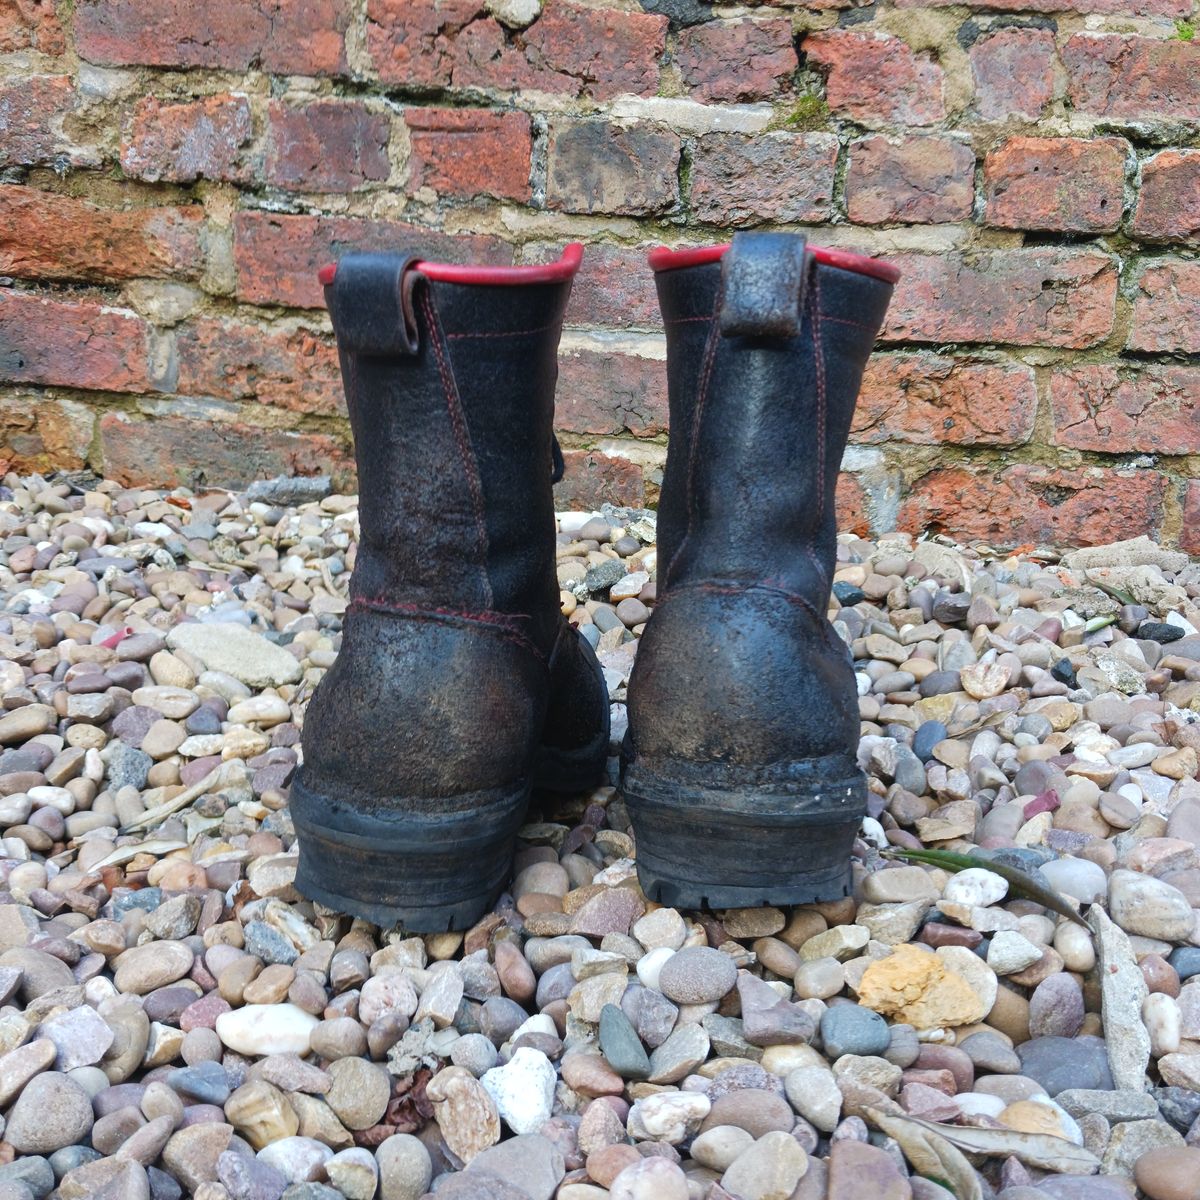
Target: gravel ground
176	1020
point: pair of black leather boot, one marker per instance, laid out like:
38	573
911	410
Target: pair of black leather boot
460	686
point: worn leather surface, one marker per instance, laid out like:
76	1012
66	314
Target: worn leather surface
456	661
738	668
762	285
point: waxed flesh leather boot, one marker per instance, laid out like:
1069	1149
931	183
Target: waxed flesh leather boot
739	767
459	685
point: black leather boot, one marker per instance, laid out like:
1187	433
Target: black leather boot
459	685
739	765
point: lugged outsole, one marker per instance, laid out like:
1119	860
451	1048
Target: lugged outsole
727	846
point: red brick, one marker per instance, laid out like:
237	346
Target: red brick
595	167
277	257
470	152
1166	308
610	393
1061	185
1189	535
44	236
1168	207
31	114
853	506
593	478
40	433
284	37
62	344
1119	8
30	25
1014	73
1022	504
742	180
1118	410
180	143
170	451
1033	297
604	52
569	50
874	77
326	146
763	52
614	286
294	369
930	399
1138	78
918	180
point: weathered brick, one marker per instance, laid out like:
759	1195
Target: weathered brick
180	143
277	257
1189	535
326	146
1033	297
876	78
84	345
595	167
593	478
744	180
917	180
470	152
569	49
763	52
31	114
170	451
291	368
45	236
42	433
853	506
1120	8
1137	78
30	25
1062	185
1023	504
1166	308
1168	207
932	399
1014	73
1150	409
608	392
286	37
614	286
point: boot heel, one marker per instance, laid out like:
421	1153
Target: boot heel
715	842
391	863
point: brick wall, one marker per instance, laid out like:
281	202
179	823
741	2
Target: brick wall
172	174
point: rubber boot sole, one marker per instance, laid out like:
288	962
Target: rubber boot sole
428	866
704	841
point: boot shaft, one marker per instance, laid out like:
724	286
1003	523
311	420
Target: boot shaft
766	346
449	377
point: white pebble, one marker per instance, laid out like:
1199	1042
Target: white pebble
975	886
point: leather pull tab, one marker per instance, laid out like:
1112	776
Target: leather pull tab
763	275
371	303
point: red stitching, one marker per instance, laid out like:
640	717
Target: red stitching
506	625
504	333
846	321
686	320
459	425
731	589
710	355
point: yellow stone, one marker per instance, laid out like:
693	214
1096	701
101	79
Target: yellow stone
1029	1116
915	987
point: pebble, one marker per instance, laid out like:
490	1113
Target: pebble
523	1090
697	975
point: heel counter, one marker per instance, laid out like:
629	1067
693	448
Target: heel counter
429	703
741	675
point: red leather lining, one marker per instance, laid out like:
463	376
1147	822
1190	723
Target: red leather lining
664	259
556	272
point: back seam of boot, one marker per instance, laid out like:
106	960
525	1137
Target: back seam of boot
815	316
462	435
